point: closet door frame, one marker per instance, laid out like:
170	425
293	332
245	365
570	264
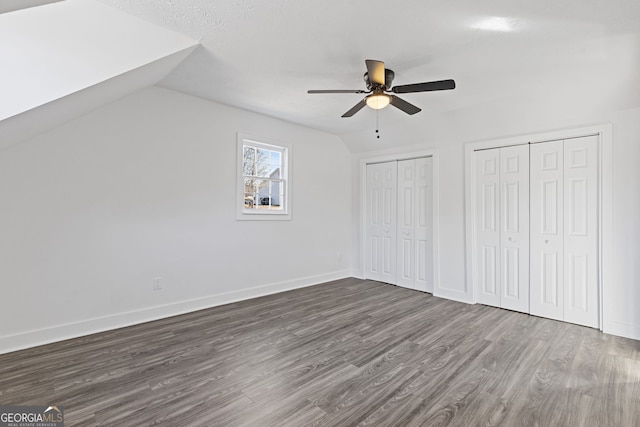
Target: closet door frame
605	207
362	200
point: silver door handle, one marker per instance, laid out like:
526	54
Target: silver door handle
511	239
546	241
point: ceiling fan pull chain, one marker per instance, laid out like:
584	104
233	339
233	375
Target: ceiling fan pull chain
378	124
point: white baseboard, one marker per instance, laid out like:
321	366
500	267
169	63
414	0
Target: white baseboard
358	274
621	329
34	338
453	295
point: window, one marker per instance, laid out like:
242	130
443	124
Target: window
263	180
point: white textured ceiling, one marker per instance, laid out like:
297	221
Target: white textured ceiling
263	55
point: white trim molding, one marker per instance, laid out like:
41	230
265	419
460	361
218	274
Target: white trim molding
38	337
605	134
622	329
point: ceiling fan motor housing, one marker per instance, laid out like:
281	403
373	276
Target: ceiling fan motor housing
388	79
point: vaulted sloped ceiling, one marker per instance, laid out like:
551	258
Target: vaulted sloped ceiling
264	55
11	5
63	59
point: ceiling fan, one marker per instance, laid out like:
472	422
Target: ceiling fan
378	80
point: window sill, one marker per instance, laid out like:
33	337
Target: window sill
263	216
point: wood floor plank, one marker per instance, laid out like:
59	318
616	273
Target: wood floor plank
345	353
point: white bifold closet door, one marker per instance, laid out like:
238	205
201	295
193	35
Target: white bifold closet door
399	218
415	249
381	217
502	218
564	230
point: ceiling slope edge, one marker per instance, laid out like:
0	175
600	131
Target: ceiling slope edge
52	52
12	5
31	123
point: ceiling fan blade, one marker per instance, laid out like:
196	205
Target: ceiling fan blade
359	106
337	91
375	69
404	105
425	87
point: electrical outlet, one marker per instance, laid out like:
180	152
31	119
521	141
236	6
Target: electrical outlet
157	283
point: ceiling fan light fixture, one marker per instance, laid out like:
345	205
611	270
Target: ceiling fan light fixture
378	101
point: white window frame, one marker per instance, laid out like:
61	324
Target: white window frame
244	214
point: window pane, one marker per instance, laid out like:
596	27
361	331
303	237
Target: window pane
261	193
250	185
249	159
262	162
276	193
275	164
249	200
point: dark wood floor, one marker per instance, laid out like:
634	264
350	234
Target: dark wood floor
345	353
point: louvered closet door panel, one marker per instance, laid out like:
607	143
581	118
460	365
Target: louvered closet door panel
424	224
514	227
581	231
381	209
406	223
488	226
547	230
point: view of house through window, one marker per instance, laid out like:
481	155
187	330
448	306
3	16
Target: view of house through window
264	182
